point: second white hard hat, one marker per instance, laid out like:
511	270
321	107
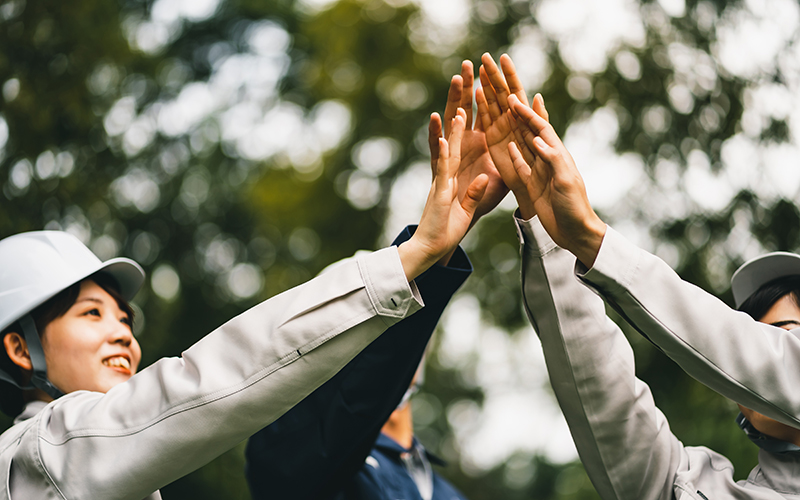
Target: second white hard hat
759	271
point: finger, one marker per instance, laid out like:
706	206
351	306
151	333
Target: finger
548	152
538	107
513	122
484	117
521	125
491	97
478	122
536	123
434	133
453	101
468	82
518	132
497	80
522	168
474	194
450	150
524	137
444	154
512	78
454	140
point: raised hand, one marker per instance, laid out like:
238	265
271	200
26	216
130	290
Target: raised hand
505	84
447	215
494	118
475	158
553	184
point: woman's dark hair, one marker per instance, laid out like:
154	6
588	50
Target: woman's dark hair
11	402
765	297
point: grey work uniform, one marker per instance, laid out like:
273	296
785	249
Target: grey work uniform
180	413
623	439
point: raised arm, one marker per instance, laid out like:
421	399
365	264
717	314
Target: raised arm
623	440
180	413
320	444
751	363
337	425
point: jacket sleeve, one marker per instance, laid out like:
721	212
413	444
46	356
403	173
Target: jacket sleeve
623	440
752	363
180	413
312	451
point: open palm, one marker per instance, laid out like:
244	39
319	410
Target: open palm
475	156
501	129
554	185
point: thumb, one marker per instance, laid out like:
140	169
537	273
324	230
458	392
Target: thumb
474	194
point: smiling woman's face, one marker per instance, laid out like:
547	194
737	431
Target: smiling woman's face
91	347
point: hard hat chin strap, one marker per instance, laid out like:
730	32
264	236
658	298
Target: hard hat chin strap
39	378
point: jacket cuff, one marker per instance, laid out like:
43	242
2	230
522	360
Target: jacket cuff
532	236
385	281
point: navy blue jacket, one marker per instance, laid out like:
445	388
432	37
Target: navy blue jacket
316	450
385	477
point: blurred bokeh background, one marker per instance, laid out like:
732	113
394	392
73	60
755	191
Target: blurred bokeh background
236	147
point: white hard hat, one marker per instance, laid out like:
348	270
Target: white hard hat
36	266
759	271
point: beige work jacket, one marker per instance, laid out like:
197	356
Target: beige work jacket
623	439
180	413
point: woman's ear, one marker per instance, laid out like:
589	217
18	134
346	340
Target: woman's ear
17	350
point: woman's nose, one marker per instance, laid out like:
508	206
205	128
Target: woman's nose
121	334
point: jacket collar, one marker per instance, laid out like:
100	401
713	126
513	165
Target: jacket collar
777	471
778	461
391	448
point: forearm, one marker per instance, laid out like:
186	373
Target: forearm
749	362
623	440
180	413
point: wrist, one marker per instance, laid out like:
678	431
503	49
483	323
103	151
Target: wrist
445	260
526	209
415	258
587	248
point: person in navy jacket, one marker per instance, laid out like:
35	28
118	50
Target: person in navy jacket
330	446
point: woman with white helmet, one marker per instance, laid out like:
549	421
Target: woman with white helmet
90	426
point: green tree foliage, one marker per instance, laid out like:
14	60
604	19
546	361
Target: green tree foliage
236	149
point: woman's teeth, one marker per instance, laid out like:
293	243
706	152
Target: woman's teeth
117	362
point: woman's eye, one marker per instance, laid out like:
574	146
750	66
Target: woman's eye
126	320
93	312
